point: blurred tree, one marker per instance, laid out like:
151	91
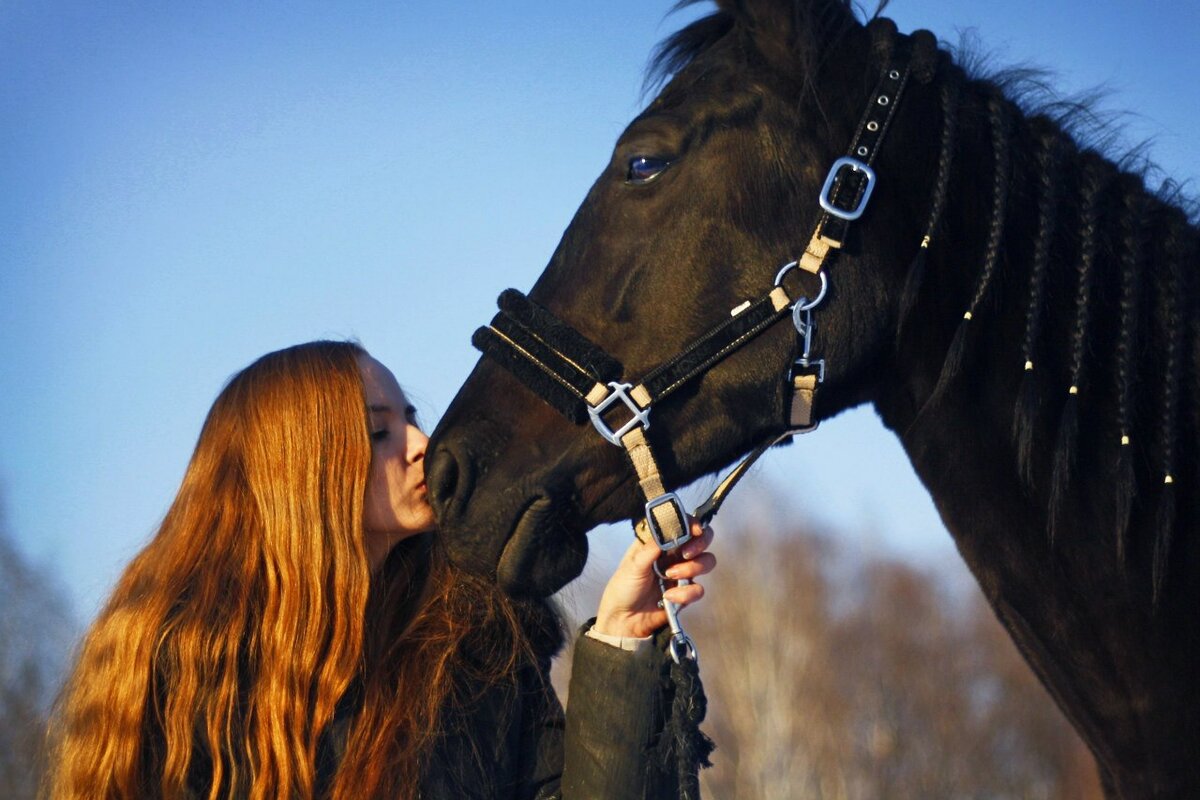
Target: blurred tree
37	631
837	679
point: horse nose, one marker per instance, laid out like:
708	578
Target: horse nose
448	478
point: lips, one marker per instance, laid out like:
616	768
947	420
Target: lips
544	552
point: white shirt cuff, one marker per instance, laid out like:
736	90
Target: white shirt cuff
631	643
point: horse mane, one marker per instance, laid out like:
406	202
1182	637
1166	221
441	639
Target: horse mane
1121	255
1154	239
674	53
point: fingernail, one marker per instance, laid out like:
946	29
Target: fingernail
672	572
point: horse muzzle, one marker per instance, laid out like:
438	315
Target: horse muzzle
528	534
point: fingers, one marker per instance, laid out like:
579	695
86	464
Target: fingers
702	538
696	562
692	568
684	595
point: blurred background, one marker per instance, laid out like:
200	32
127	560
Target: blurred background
188	186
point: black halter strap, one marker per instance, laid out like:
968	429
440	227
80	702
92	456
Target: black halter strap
851	179
528	336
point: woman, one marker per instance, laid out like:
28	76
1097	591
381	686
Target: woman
294	630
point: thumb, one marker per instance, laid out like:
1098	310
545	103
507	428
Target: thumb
642	555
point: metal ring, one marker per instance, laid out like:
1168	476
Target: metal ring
872	126
894	75
784	271
803	303
862	150
883	100
682	647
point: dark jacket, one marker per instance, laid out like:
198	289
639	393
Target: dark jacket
515	742
529	750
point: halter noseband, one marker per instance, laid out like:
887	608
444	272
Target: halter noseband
583	382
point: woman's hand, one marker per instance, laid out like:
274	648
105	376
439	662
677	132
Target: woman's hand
629	605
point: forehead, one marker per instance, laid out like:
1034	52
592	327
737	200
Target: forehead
717	69
380	387
715	92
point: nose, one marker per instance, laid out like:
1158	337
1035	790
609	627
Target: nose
417	443
449	479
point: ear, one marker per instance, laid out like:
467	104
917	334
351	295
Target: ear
792	35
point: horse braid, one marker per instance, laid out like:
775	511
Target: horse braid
951	86
1029	394
1170	295
1093	181
999	116
1133	241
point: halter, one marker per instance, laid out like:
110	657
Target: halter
583	382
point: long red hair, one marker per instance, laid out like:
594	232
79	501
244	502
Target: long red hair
229	640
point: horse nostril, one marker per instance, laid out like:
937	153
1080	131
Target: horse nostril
444	478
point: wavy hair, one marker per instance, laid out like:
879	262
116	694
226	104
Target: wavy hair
231	640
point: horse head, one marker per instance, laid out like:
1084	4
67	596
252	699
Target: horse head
707	193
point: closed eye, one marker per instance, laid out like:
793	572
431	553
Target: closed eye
380	435
643	169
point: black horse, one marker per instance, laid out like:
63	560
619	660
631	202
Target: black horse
1018	309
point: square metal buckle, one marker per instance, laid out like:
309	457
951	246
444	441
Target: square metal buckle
671	499
803	363
857	166
620	391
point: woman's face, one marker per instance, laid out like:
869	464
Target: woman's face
396	504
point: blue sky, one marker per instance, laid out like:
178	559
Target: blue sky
187	186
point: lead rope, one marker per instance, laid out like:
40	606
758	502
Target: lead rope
683	742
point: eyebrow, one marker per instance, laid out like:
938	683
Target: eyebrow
409	410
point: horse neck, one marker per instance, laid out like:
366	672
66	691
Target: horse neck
962	436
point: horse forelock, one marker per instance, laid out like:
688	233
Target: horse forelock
794	34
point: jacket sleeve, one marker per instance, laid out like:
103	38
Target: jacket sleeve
605	749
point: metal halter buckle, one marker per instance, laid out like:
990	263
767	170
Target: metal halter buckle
671	499
857	166
620	391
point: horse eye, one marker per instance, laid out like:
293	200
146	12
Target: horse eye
643	169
